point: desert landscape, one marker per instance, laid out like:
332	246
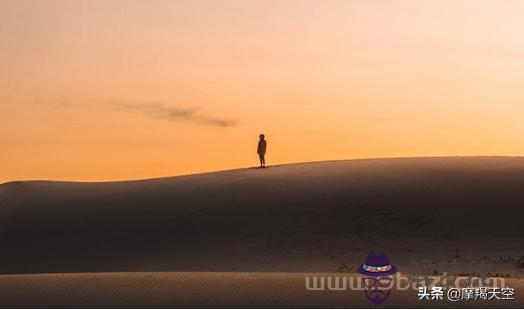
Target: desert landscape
229	154
247	237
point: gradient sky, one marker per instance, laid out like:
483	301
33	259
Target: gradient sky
122	89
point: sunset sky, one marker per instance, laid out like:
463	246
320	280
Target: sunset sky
95	90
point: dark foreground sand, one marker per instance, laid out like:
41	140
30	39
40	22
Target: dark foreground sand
314	217
201	290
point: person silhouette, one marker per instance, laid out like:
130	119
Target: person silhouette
261	151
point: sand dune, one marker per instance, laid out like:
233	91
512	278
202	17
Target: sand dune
246	237
292	218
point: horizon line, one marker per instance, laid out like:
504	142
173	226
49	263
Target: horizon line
253	167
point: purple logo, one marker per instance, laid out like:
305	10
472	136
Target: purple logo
378	276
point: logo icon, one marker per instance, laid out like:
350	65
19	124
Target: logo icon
377	277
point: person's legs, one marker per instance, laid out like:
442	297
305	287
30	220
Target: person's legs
263	160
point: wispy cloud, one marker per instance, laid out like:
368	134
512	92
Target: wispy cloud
170	113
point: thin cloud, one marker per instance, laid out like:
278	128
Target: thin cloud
163	111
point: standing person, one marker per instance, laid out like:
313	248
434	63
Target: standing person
261	151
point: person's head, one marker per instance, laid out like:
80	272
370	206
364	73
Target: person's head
261	136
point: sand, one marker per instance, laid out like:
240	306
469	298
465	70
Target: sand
312	217
202	290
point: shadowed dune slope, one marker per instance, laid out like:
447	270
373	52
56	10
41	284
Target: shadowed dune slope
283	218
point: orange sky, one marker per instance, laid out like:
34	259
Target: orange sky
109	90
